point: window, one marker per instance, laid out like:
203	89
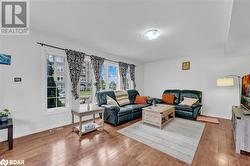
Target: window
109	77
86	82
112	77
56	96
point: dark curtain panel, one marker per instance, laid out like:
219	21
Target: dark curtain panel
132	73
75	60
97	68
123	68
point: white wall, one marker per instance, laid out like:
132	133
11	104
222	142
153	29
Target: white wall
26	100
139	78
1	88
1	83
217	101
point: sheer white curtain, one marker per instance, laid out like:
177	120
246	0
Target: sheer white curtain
131	84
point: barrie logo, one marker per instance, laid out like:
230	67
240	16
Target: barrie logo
4	162
14	16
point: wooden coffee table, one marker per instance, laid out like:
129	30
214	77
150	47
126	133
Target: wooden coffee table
158	115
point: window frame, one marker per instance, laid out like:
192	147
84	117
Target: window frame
66	76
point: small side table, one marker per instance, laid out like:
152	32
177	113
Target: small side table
93	109
8	125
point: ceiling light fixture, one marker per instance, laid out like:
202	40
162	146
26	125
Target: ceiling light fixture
151	34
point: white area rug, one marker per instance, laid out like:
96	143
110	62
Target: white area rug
179	138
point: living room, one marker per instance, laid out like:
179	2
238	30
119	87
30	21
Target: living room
153	52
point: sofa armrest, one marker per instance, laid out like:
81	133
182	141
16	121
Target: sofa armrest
112	108
111	114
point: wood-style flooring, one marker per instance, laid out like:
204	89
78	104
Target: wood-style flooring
110	148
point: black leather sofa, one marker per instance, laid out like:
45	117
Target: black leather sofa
184	111
118	115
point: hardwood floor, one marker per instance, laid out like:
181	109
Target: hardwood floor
110	148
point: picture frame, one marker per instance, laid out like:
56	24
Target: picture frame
5	59
186	65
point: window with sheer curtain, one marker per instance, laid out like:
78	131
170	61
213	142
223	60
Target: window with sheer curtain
110	80
130	84
86	82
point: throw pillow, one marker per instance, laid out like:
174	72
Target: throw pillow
111	101
122	97
141	99
168	98
188	101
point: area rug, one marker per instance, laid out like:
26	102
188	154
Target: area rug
207	119
179	138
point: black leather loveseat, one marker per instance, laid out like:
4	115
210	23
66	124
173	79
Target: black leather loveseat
117	115
184	111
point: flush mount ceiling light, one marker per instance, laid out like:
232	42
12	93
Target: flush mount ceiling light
151	34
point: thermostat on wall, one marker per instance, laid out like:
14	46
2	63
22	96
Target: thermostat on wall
17	79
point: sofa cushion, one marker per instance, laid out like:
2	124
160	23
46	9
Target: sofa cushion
124	111
111	101
191	94
141	99
176	94
184	108
122	97
143	105
188	101
168	98
135	107
127	109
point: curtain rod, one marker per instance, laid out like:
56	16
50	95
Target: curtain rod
60	48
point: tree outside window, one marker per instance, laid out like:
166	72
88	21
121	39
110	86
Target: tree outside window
112	77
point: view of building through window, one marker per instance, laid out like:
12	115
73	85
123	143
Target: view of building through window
86	83
55	81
